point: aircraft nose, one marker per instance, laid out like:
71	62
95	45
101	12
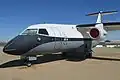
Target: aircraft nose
20	45
7	49
11	47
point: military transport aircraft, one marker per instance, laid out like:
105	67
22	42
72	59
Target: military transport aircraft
51	38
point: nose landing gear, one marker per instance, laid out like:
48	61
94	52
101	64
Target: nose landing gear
28	60
28	64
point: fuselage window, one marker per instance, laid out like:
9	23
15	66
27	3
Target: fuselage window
30	32
43	31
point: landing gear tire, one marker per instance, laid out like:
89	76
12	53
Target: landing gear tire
28	64
27	60
89	55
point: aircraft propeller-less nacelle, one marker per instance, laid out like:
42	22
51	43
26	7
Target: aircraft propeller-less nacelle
94	33
51	38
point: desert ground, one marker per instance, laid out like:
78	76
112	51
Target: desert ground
105	65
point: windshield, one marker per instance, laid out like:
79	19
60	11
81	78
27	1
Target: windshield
30	32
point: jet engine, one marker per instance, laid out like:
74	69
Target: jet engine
94	33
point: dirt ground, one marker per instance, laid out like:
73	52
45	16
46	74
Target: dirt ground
105	65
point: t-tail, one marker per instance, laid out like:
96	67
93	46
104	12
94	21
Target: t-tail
100	14
99	23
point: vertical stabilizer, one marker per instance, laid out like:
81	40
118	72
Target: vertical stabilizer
99	18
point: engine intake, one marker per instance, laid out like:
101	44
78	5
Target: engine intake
94	33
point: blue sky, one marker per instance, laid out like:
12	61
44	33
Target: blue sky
16	15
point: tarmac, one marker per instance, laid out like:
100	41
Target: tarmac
105	65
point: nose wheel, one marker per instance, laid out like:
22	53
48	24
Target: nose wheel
27	60
28	64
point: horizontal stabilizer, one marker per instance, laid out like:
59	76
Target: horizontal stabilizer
101	12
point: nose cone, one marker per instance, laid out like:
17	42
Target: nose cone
9	50
13	47
20	45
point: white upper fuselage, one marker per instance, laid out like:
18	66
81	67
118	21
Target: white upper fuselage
59	30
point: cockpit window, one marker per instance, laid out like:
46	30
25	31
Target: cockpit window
43	31
30	32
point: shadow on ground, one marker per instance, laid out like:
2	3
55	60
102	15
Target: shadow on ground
40	60
103	58
49	58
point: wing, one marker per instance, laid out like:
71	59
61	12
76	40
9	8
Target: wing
110	26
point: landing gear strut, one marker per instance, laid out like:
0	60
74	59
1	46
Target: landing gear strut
88	48
28	60
88	54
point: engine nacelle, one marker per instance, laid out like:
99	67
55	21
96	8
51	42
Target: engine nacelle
94	33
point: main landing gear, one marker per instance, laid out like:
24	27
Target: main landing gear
28	60
88	54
